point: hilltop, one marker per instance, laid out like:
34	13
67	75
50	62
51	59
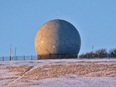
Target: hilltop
58	73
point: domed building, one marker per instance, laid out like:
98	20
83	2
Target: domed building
57	39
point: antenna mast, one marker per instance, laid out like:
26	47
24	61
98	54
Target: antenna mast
57	15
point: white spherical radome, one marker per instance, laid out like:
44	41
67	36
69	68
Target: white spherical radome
57	37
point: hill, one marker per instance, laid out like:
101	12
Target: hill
58	73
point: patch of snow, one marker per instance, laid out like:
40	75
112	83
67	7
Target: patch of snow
77	82
59	61
46	69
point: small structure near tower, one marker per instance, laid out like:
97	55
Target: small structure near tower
57	39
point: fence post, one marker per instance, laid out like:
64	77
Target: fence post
10	58
3	58
24	57
31	57
15	57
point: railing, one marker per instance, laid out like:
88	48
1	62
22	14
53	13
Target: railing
18	58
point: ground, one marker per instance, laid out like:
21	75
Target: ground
58	73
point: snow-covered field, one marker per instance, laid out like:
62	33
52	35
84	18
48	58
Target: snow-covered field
58	73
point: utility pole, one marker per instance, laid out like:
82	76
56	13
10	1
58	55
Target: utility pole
15	51
92	48
10	52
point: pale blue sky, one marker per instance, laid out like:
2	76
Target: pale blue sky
21	19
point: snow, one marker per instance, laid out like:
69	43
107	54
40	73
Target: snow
25	73
78	82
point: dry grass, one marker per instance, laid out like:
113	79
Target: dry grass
87	70
19	69
8	78
59	69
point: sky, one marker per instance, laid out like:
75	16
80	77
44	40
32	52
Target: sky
20	20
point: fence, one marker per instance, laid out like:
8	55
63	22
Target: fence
19	58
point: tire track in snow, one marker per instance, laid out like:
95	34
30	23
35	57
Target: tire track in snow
28	70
